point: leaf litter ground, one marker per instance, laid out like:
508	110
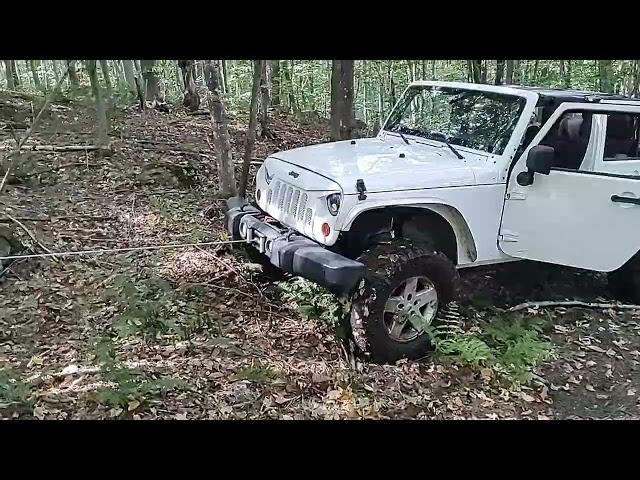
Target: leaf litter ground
250	357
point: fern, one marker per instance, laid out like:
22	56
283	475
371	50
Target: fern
312	301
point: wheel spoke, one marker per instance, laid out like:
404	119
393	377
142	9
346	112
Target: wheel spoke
396	328
392	304
426	296
410	287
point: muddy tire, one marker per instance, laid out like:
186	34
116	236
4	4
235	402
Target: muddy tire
624	283
402	276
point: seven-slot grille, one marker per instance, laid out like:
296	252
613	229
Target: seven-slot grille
291	201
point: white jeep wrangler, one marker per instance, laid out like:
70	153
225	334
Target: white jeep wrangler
460	175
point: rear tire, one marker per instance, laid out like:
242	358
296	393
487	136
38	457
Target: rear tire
386	337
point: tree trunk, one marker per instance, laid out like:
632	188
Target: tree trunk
567	77
152	90
104	66
342	99
250	138
535	71
475	70
191	98
605	73
499	72
286	75
275	82
129	75
635	86
74	81
264	97
34	74
225	76
226	174
56	70
483	71
101	113
11	84
509	75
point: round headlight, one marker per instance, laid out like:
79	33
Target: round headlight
333	203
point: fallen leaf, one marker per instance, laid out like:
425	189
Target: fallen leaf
133	404
595	348
39	412
526	397
590	387
180	416
631	392
69	370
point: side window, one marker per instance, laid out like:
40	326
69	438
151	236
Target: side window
569	136
621	140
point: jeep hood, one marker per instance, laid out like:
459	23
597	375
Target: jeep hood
384	165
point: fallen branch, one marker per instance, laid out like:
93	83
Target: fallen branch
55	218
31	235
61	167
57	148
572	303
199	112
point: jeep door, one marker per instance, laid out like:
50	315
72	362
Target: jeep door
585	212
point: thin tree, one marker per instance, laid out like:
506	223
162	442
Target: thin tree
342	120
509	73
34	74
605	75
250	137
101	111
275	82
152	87
191	99
74	81
104	67
226	174
265	101
499	72
129	75
11	84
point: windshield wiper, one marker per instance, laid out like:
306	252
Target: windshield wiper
403	137
443	138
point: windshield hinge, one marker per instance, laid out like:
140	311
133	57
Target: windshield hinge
360	187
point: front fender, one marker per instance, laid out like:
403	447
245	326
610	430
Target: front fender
465	244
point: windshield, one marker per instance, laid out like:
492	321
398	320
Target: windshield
469	118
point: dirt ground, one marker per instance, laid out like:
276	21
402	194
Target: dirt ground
252	357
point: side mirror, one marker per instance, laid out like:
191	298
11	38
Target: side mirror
539	160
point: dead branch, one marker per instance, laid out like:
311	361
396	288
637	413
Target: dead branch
31	235
199	112
55	218
545	304
57	148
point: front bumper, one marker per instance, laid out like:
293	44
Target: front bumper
290	251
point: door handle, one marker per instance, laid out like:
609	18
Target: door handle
619	199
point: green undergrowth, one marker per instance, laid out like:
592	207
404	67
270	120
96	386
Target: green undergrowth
511	347
128	388
152	308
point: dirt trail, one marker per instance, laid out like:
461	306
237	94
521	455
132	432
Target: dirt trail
246	356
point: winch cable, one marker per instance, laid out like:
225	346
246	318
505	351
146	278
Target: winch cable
121	250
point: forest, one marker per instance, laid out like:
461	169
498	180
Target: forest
164	317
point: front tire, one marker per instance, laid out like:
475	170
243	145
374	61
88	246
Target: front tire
403	279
